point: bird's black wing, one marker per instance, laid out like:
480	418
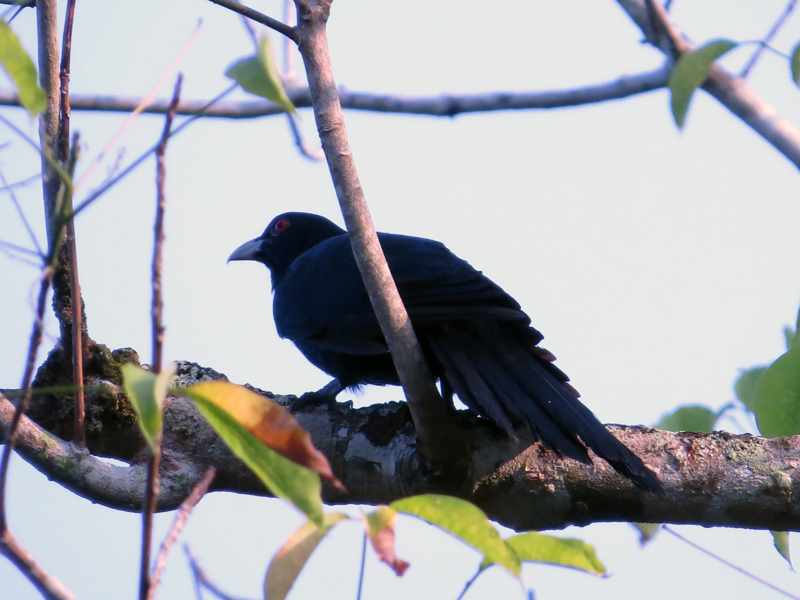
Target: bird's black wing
481	341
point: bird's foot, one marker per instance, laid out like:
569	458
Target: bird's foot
325	396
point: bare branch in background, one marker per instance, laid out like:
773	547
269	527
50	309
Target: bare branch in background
156	311
447	105
10	430
203	581
121	175
305	150
258	17
766	41
177	526
50	587
21	213
731	91
671	531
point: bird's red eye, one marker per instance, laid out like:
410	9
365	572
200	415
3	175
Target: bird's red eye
280	225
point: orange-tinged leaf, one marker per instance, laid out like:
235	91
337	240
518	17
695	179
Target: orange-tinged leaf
380	530
270	423
294	554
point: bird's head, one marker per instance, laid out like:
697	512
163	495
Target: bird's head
288	236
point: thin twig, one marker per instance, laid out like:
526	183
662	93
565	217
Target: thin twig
21	214
141	105
50	587
157	308
76	300
202	578
111	182
27	378
150	499
363	562
732	92
21	3
469	584
290	17
6	248
728	564
445	105
258	17
154	460
21	183
305	150
181	517
766	41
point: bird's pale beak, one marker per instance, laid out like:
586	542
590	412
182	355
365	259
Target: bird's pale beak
247	251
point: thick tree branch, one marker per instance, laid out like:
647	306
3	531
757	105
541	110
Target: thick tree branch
731	91
446	105
717	479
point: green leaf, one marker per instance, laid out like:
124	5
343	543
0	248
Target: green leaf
284	478
259	75
20	68
294	554
690	72
147	391
794	64
564	552
745	386
781	541
465	521
777	407
689	418
647	531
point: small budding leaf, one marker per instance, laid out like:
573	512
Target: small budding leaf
380	531
285	568
146	392
777	406
21	70
259	75
690	72
265	436
465	521
689	418
794	64
563	552
647	531
745	386
781	541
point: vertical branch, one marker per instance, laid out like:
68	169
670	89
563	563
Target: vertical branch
154	462
434	425
46	25
70	249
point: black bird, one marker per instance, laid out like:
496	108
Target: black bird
476	337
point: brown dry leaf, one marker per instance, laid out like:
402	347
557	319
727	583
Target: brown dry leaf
380	530
270	423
